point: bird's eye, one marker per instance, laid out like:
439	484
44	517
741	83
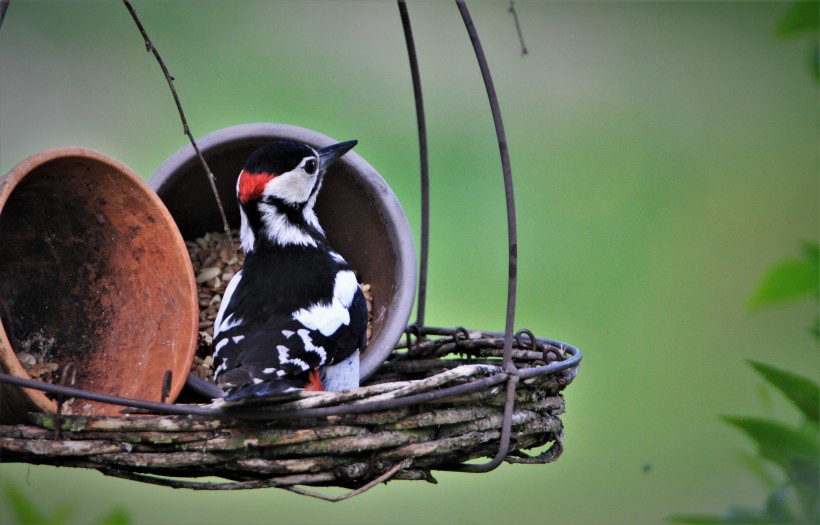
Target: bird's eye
310	166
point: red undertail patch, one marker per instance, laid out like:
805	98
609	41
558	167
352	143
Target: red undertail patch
314	383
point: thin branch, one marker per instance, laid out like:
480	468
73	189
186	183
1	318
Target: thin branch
149	46
4	6
384	478
518	27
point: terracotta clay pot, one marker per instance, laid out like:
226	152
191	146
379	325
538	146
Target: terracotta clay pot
94	272
360	214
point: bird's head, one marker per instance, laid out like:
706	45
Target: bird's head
277	190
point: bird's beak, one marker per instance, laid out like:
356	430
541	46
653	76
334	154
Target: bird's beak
329	154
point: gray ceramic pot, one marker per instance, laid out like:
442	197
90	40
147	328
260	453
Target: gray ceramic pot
361	216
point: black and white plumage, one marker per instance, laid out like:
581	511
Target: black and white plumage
293	317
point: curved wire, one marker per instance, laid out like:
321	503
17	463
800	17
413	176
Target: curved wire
512	238
423	162
508	183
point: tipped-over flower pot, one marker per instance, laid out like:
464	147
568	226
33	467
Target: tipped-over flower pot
93	273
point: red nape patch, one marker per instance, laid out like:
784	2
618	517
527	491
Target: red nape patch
251	185
314	383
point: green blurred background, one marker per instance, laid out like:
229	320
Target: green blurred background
665	155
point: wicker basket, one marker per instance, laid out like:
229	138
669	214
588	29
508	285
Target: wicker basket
435	406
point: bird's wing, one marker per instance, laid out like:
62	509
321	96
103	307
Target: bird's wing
281	349
285	348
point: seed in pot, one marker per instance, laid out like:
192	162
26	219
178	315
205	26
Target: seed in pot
206	274
26	359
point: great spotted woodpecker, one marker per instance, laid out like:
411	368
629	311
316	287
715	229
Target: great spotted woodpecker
293	317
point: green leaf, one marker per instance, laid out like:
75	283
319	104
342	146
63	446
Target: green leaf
800	390
799	17
756	465
24	510
785	281
807	484
778	442
777	510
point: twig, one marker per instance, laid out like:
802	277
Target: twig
322	477
149	46
518	27
4	6
384	478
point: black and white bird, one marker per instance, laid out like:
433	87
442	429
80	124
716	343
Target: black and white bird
294	316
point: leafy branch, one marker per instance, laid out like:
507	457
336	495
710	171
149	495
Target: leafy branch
793	450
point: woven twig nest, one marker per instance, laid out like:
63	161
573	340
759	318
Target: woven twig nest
397	426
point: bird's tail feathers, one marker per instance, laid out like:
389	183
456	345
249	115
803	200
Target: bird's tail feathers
265	388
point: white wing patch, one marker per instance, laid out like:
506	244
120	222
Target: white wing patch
324	318
345	287
219	346
284	358
222	367
327	318
227	324
310	347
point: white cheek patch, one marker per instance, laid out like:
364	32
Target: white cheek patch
293	187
